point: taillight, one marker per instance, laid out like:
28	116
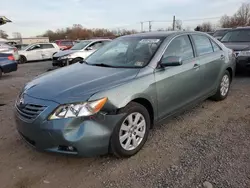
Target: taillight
11	57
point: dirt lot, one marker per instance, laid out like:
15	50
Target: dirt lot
208	143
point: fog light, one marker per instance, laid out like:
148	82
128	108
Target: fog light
67	148
70	148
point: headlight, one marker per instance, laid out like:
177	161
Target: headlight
78	109
244	53
64	57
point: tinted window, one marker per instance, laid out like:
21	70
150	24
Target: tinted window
220	33
47	46
215	46
203	44
66	43
237	36
180	47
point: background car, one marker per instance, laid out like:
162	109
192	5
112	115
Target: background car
5	48
65	44
239	41
21	46
38	51
219	33
78	52
110	102
8	63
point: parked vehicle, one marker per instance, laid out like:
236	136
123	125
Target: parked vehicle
110	101
210	33
239	41
21	46
5	48
78	52
218	34
64	44
38	51
7	63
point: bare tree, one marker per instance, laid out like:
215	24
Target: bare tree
240	18
178	24
3	34
204	27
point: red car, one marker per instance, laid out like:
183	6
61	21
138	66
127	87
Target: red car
64	44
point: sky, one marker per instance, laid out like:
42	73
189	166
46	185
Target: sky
34	17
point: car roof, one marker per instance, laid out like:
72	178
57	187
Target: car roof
241	28
163	33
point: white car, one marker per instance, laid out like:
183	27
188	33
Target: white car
78	52
38	51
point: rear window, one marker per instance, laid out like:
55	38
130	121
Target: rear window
203	44
47	46
237	36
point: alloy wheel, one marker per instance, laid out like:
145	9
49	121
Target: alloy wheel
132	131
224	86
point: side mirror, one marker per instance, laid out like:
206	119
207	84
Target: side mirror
89	48
171	61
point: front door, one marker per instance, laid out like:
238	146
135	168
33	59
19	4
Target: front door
34	53
178	86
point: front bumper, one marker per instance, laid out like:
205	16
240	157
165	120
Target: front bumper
243	62
9	66
61	63
88	136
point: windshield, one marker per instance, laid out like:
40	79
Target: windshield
26	47
237	36
126	52
220	33
80	45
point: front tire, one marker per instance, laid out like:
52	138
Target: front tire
76	60
23	59
223	89
131	132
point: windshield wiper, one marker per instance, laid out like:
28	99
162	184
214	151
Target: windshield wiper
100	65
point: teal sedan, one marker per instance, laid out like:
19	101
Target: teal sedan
110	101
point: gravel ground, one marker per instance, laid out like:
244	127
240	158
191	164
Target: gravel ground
207	146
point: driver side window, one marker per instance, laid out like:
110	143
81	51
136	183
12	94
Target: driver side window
180	47
35	47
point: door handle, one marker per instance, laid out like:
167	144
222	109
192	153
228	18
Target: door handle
196	66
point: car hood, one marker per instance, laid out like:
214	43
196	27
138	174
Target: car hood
77	82
65	52
237	46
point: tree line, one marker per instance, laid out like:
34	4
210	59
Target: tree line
240	19
77	31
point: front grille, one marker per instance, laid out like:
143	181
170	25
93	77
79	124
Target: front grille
55	58
30	111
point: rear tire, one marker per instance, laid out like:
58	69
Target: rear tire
23	59
131	132
223	88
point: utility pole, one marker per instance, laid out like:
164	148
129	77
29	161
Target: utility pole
149	25
173	23
141	26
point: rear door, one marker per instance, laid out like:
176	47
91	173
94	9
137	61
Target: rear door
47	51
178	86
210	57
